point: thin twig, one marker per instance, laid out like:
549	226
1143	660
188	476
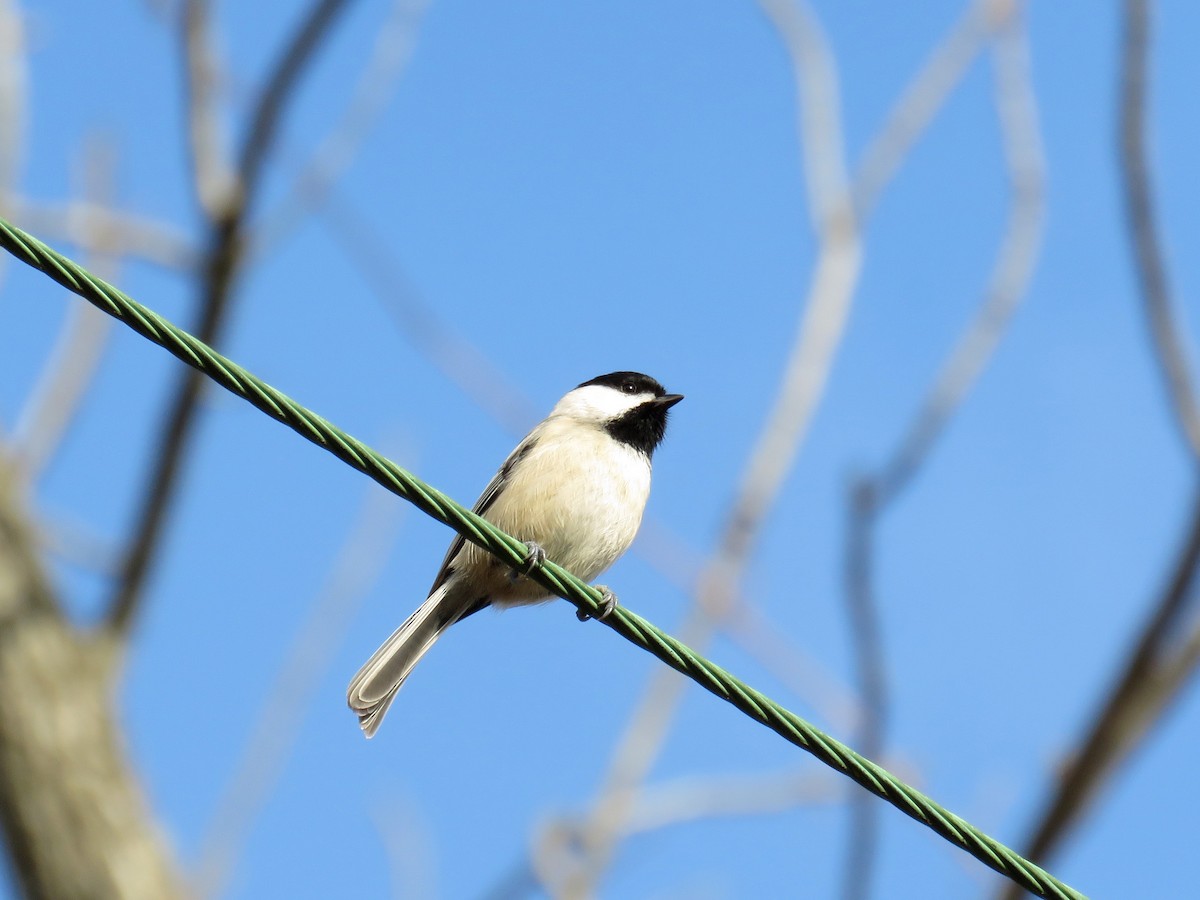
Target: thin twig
14	93
830	293
1016	106
1120	724
14	98
871	496
862	836
212	171
55	399
217	277
355	571
684	800
1148	676
284	80
131	236
1170	352
911	115
560	843
389	58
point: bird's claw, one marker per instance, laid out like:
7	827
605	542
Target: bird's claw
533	559
608	602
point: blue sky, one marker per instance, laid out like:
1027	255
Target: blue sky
579	188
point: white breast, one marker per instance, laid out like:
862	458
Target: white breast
580	495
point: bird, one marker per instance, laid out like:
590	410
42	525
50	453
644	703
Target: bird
573	490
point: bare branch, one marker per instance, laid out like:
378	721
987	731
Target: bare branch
356	570
24	587
1150	676
925	95
675	803
128	234
56	396
282	83
732	796
1121	723
862	839
1171	676
218	275
211	169
73	814
389	58
1170	352
832	287
1007	287
870	496
14	89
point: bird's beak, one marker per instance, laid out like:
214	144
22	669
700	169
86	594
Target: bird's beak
666	401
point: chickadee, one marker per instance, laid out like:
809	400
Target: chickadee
573	490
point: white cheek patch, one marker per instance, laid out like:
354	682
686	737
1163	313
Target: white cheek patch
598	402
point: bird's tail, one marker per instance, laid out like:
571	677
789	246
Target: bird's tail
372	690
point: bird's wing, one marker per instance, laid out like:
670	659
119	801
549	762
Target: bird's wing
486	499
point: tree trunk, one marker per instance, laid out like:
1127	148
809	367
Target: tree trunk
74	818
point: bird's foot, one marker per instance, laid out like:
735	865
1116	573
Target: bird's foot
608	602
533	559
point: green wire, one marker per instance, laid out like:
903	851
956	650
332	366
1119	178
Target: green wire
633	627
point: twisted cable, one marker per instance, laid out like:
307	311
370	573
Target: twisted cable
586	598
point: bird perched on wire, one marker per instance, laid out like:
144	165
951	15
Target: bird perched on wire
573	490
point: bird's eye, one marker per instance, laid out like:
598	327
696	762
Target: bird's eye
629	387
